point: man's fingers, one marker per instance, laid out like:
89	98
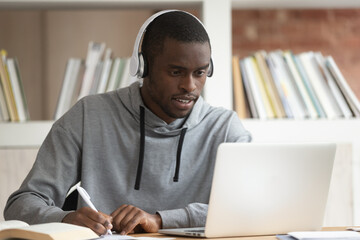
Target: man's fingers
131	221
98	222
128	219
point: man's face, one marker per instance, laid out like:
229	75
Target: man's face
176	78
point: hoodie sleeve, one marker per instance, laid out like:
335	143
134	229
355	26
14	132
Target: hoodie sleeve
236	131
193	215
44	190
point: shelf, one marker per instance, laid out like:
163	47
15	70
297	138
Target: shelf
24	135
294	4
95	4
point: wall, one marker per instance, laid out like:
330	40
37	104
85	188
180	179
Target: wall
333	32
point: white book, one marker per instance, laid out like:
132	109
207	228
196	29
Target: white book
345	88
334	88
255	88
291	95
17	89
279	86
321	88
300	85
248	92
4	114
126	78
97	76
95	52
319	109
115	75
15	229
68	87
105	73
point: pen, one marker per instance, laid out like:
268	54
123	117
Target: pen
86	198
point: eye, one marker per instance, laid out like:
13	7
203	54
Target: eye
175	73
200	73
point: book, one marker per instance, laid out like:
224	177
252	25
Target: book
239	95
18	89
295	100
105	73
334	88
309	88
248	93
97	76
288	56
94	54
69	87
255	88
345	88
126	78
8	92
269	84
320	86
4	114
276	69
115	75
45	231
263	92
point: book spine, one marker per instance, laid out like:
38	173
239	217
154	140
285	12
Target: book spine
10	101
255	88
269	84
348	93
14	81
288	56
239	95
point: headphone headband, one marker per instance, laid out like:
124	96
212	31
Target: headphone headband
137	62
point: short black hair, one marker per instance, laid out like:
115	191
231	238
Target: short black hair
177	25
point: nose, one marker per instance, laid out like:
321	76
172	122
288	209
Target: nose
187	83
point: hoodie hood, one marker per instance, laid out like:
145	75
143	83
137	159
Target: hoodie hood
132	100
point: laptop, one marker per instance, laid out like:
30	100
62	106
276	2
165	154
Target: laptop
266	189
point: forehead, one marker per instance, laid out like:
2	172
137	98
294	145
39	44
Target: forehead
184	53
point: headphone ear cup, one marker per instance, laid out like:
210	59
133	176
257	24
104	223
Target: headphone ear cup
140	72
144	65
211	68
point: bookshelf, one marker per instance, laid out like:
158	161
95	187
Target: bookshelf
218	90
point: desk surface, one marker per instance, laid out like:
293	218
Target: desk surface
157	235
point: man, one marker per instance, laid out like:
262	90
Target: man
144	153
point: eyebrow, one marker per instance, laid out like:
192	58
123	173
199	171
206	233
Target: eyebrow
181	67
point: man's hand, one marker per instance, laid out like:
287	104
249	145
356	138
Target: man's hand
129	219
99	222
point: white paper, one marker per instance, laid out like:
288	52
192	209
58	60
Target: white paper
125	237
324	234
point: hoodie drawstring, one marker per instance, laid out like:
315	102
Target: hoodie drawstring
142	150
178	154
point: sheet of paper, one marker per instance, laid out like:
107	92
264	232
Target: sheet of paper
127	237
324	234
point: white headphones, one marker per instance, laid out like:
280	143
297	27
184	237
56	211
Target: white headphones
138	62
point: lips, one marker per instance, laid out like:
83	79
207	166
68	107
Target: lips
184	102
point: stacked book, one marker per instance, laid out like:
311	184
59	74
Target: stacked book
99	73
13	105
281	84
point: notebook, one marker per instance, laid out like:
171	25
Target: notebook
266	189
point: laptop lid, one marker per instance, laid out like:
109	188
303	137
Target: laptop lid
267	189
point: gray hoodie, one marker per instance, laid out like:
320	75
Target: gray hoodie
98	142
